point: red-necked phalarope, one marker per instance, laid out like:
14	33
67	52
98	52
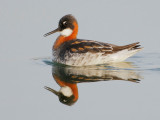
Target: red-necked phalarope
69	50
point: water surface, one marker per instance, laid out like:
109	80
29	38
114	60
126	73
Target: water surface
126	91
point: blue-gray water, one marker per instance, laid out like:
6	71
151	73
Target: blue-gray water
26	67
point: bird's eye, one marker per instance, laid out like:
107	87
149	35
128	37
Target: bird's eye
65	23
64	100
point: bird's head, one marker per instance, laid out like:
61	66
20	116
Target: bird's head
67	26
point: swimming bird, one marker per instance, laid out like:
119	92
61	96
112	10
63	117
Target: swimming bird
69	50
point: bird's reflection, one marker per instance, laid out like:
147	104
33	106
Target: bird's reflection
67	78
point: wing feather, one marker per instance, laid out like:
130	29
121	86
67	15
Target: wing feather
83	46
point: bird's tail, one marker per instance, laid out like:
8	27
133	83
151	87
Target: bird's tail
133	46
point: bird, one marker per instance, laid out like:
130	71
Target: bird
69	50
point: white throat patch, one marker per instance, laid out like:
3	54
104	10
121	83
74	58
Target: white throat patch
66	32
66	91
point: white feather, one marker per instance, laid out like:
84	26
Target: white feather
66	91
66	32
76	59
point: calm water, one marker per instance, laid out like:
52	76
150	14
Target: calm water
128	90
124	91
